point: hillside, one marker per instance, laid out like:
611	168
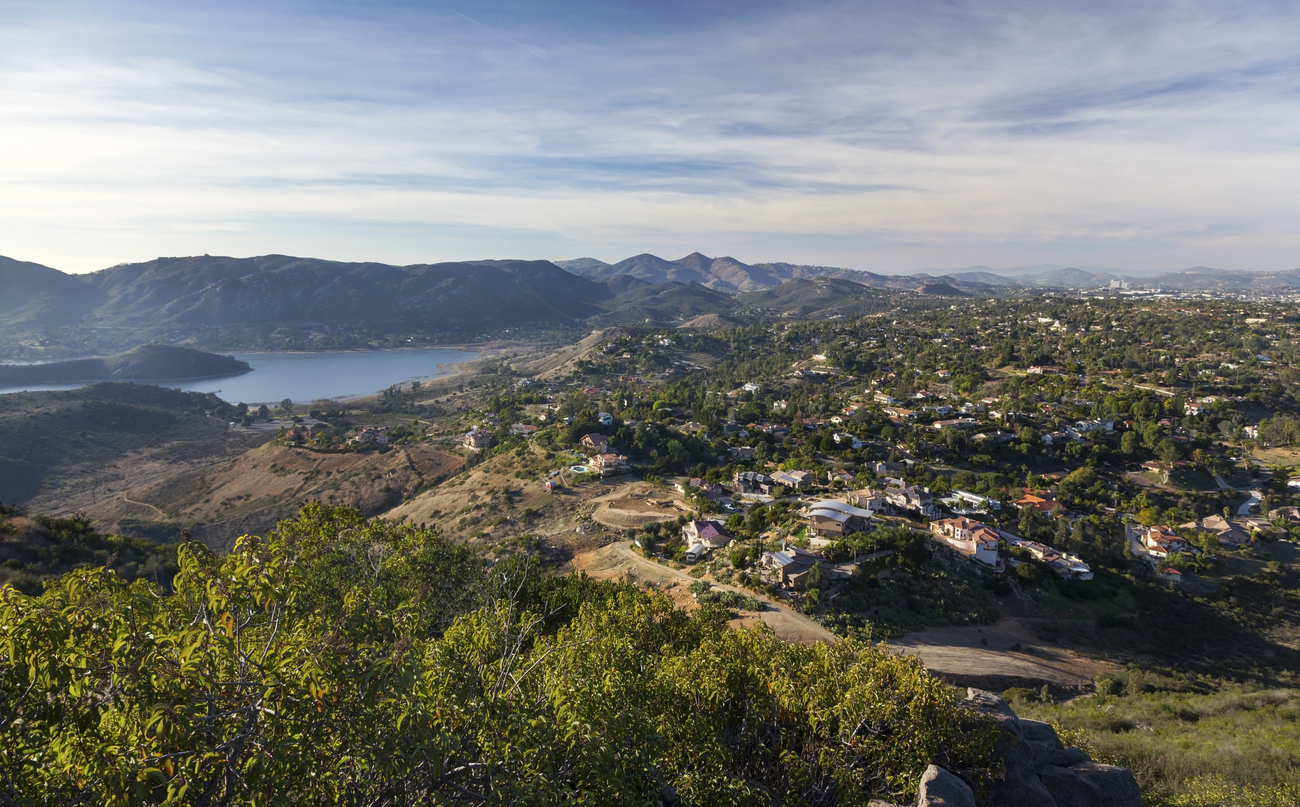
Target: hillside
60	450
251	492
147	362
221	303
37	550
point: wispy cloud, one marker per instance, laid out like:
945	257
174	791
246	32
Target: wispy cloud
880	135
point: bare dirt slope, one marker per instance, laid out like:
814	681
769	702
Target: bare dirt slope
618	560
633	504
560	362
250	493
959	655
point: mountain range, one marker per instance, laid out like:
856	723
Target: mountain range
231	303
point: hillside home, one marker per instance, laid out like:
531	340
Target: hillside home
914	498
752	482
873	501
476	440
523	429
610	464
753	386
898	413
972	502
1063	563
954	423
708	533
793	564
837	518
1043	370
595	442
741	452
1229	534
1040	501
605	418
372	435
1161	542
968	538
843	438
799	480
883	398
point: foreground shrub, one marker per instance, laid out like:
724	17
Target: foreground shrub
354	662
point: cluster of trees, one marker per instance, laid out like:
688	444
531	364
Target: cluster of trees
341	660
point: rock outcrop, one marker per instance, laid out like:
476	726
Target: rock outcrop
1039	770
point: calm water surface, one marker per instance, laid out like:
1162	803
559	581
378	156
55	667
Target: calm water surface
305	377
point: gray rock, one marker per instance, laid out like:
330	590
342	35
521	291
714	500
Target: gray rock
1036	731
1105	785
1018	788
941	789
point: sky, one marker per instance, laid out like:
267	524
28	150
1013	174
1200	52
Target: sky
885	136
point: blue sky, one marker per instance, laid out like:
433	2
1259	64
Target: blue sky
884	136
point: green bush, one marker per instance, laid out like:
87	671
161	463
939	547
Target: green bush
341	660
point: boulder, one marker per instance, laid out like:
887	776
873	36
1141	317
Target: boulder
939	788
1040	771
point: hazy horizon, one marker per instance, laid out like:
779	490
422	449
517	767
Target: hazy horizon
871	136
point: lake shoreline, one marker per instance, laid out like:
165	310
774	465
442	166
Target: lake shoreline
305	376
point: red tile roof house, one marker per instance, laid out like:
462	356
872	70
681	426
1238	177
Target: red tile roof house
1162	541
967	537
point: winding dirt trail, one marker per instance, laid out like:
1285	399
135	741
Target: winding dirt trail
618	559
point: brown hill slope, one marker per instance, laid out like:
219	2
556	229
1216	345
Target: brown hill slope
249	493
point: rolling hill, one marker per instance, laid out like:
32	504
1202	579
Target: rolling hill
145	363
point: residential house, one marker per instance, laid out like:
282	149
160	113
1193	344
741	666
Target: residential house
476	440
883	398
798	480
1229	534
1195	408
753	386
372	435
793	564
709	533
610	464
914	498
298	434
898	413
752	482
1043	370
1063	563
1040	501
523	429
842	438
837	518
1161	542
595	442
842	475
967	537
741	452
954	423
605	418
872	501
962	501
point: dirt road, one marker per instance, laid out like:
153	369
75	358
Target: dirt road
961	656
618	559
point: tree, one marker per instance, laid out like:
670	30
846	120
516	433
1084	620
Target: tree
1167	451
268	676
1128	443
286	405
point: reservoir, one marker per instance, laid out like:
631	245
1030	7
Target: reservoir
306	377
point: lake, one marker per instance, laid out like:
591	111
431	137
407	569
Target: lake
306	377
